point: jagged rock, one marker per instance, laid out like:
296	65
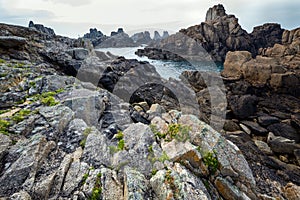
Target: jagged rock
157	36
5	142
274	34
93	34
12	42
165	35
74	177
21	173
136	185
263	147
142	37
215	12
138	138
41	28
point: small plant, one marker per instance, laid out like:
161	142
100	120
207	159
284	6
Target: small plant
154	171
150	149
119	135
121	145
84	178
164	157
97	190
2	61
177	131
169	180
155	131
211	161
32	84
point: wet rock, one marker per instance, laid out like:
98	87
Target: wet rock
284	130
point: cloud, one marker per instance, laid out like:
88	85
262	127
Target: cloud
71	2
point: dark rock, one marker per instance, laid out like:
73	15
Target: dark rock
255	128
118	40
282	145
41	28
113	33
267	120
12	42
244	106
93	34
231	126
267	35
284	130
165	35
78	53
296	122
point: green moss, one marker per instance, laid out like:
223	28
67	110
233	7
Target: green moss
20	116
170	180
49	101
178	131
84	178
154	171
4	126
119	135
150	149
9	65
3	75
121	145
211	161
32	84
2	61
3	111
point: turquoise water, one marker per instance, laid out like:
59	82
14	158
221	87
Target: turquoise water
166	69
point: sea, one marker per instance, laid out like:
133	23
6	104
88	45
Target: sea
167	69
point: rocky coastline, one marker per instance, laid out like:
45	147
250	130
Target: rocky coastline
76	123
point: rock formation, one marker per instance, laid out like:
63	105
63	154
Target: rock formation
41	28
142	37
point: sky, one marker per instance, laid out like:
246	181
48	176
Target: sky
73	18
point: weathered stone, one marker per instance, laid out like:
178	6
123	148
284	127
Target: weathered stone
111	188
96	151
233	63
136	186
291	191
24	169
74	177
229	191
78	53
84	103
263	147
20	196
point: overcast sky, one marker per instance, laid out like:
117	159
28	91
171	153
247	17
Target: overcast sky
75	17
